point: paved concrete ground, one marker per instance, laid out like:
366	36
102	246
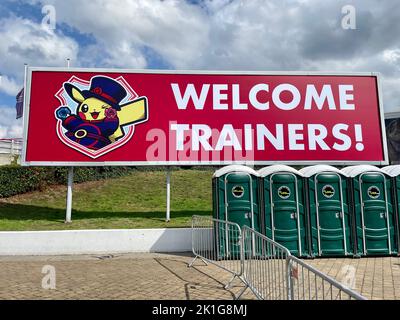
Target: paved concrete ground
375	278
127	276
162	276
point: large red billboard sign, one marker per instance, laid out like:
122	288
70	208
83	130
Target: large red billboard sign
125	117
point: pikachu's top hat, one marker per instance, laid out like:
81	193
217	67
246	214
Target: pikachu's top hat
102	88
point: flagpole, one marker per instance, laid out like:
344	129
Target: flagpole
24	104
68	213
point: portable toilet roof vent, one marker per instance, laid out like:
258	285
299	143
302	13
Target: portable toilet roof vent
353	171
234	168
266	171
311	170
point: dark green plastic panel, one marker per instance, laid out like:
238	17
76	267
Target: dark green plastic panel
283	211
234	195
374	214
332	218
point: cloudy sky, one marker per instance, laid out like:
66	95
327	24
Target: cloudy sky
290	35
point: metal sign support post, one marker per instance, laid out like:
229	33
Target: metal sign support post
68	212
69	195
167	218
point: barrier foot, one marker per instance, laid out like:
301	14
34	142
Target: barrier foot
228	285
242	292
195	258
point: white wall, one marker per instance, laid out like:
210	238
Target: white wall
95	241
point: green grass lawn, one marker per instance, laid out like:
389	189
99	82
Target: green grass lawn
134	201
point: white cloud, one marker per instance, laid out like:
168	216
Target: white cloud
3	132
9	86
391	96
23	41
227	34
220	34
391	55
174	29
9	126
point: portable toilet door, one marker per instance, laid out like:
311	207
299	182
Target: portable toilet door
394	172
236	200
328	211
373	210
282	207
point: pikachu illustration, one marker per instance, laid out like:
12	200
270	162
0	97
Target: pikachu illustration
100	116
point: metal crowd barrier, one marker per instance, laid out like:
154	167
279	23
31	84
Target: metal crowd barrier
263	265
308	283
218	242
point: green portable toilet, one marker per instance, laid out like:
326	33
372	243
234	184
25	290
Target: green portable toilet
282	206
235	199
394	172
372	209
328	211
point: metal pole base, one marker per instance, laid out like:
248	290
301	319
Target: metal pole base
195	258
242	292
228	285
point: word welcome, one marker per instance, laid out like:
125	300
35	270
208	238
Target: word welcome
223	93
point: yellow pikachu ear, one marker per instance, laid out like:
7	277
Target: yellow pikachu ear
77	95
74	92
